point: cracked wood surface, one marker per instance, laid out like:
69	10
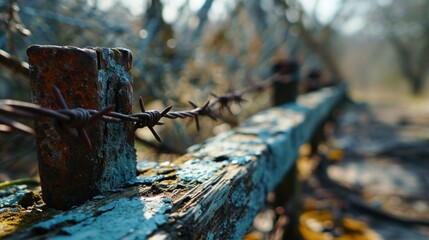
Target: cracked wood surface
212	192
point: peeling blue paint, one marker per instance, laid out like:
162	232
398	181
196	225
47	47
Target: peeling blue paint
11	196
71	216
134	218
198	170
147	179
240	160
255	201
146	165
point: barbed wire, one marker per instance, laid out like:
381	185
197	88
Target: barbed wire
74	121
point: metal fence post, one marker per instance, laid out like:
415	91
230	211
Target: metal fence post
92	78
286	92
288	191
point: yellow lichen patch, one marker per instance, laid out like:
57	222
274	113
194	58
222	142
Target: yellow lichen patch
335	154
253	236
12	221
305	150
305	167
305	163
320	225
310	203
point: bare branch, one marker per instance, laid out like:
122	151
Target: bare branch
14	64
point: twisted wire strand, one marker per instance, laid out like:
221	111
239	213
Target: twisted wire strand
80	118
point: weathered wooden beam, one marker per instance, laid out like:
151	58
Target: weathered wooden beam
95	78
212	192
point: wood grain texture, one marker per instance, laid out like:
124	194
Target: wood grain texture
212	192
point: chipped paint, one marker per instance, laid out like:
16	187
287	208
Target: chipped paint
146	179
198	170
132	218
143	166
12	196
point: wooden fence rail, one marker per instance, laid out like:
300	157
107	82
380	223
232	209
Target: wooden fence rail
212	192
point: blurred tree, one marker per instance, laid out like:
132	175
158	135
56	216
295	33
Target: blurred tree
405	24
317	36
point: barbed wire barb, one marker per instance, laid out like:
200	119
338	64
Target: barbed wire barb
150	118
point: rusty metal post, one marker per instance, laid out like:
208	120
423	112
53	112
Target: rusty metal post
313	80
92	78
286	92
288	192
